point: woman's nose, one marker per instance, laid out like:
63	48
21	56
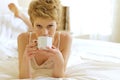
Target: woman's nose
45	32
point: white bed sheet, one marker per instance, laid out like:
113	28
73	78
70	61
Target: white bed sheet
97	50
89	59
78	68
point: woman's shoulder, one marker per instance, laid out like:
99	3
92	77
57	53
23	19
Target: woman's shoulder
65	37
26	37
23	36
64	34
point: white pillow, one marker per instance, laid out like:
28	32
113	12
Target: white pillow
4	6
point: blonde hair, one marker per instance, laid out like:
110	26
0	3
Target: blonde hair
45	9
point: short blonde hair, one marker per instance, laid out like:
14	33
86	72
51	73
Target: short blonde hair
45	9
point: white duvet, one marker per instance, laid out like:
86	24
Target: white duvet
87	70
89	59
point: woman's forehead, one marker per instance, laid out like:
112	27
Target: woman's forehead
44	20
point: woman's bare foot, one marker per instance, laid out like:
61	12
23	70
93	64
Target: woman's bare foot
14	9
20	15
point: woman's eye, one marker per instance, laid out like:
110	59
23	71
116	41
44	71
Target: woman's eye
50	26
38	26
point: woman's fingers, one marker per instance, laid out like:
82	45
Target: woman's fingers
33	43
31	49
53	49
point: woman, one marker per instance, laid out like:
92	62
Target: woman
33	62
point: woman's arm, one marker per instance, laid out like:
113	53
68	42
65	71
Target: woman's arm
24	62
61	60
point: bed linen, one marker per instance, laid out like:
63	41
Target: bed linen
89	59
77	69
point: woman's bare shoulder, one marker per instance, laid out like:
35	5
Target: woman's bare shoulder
65	35
23	36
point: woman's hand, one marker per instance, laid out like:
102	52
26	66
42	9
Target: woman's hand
30	50
53	53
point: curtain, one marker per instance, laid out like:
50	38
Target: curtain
116	28
64	20
92	19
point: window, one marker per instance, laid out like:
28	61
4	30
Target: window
93	17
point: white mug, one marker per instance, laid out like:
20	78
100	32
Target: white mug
44	41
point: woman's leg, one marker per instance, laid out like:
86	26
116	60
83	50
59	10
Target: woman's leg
20	15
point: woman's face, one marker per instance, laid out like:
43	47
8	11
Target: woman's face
44	27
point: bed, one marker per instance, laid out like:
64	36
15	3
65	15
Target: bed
89	59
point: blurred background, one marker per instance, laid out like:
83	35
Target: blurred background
88	19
